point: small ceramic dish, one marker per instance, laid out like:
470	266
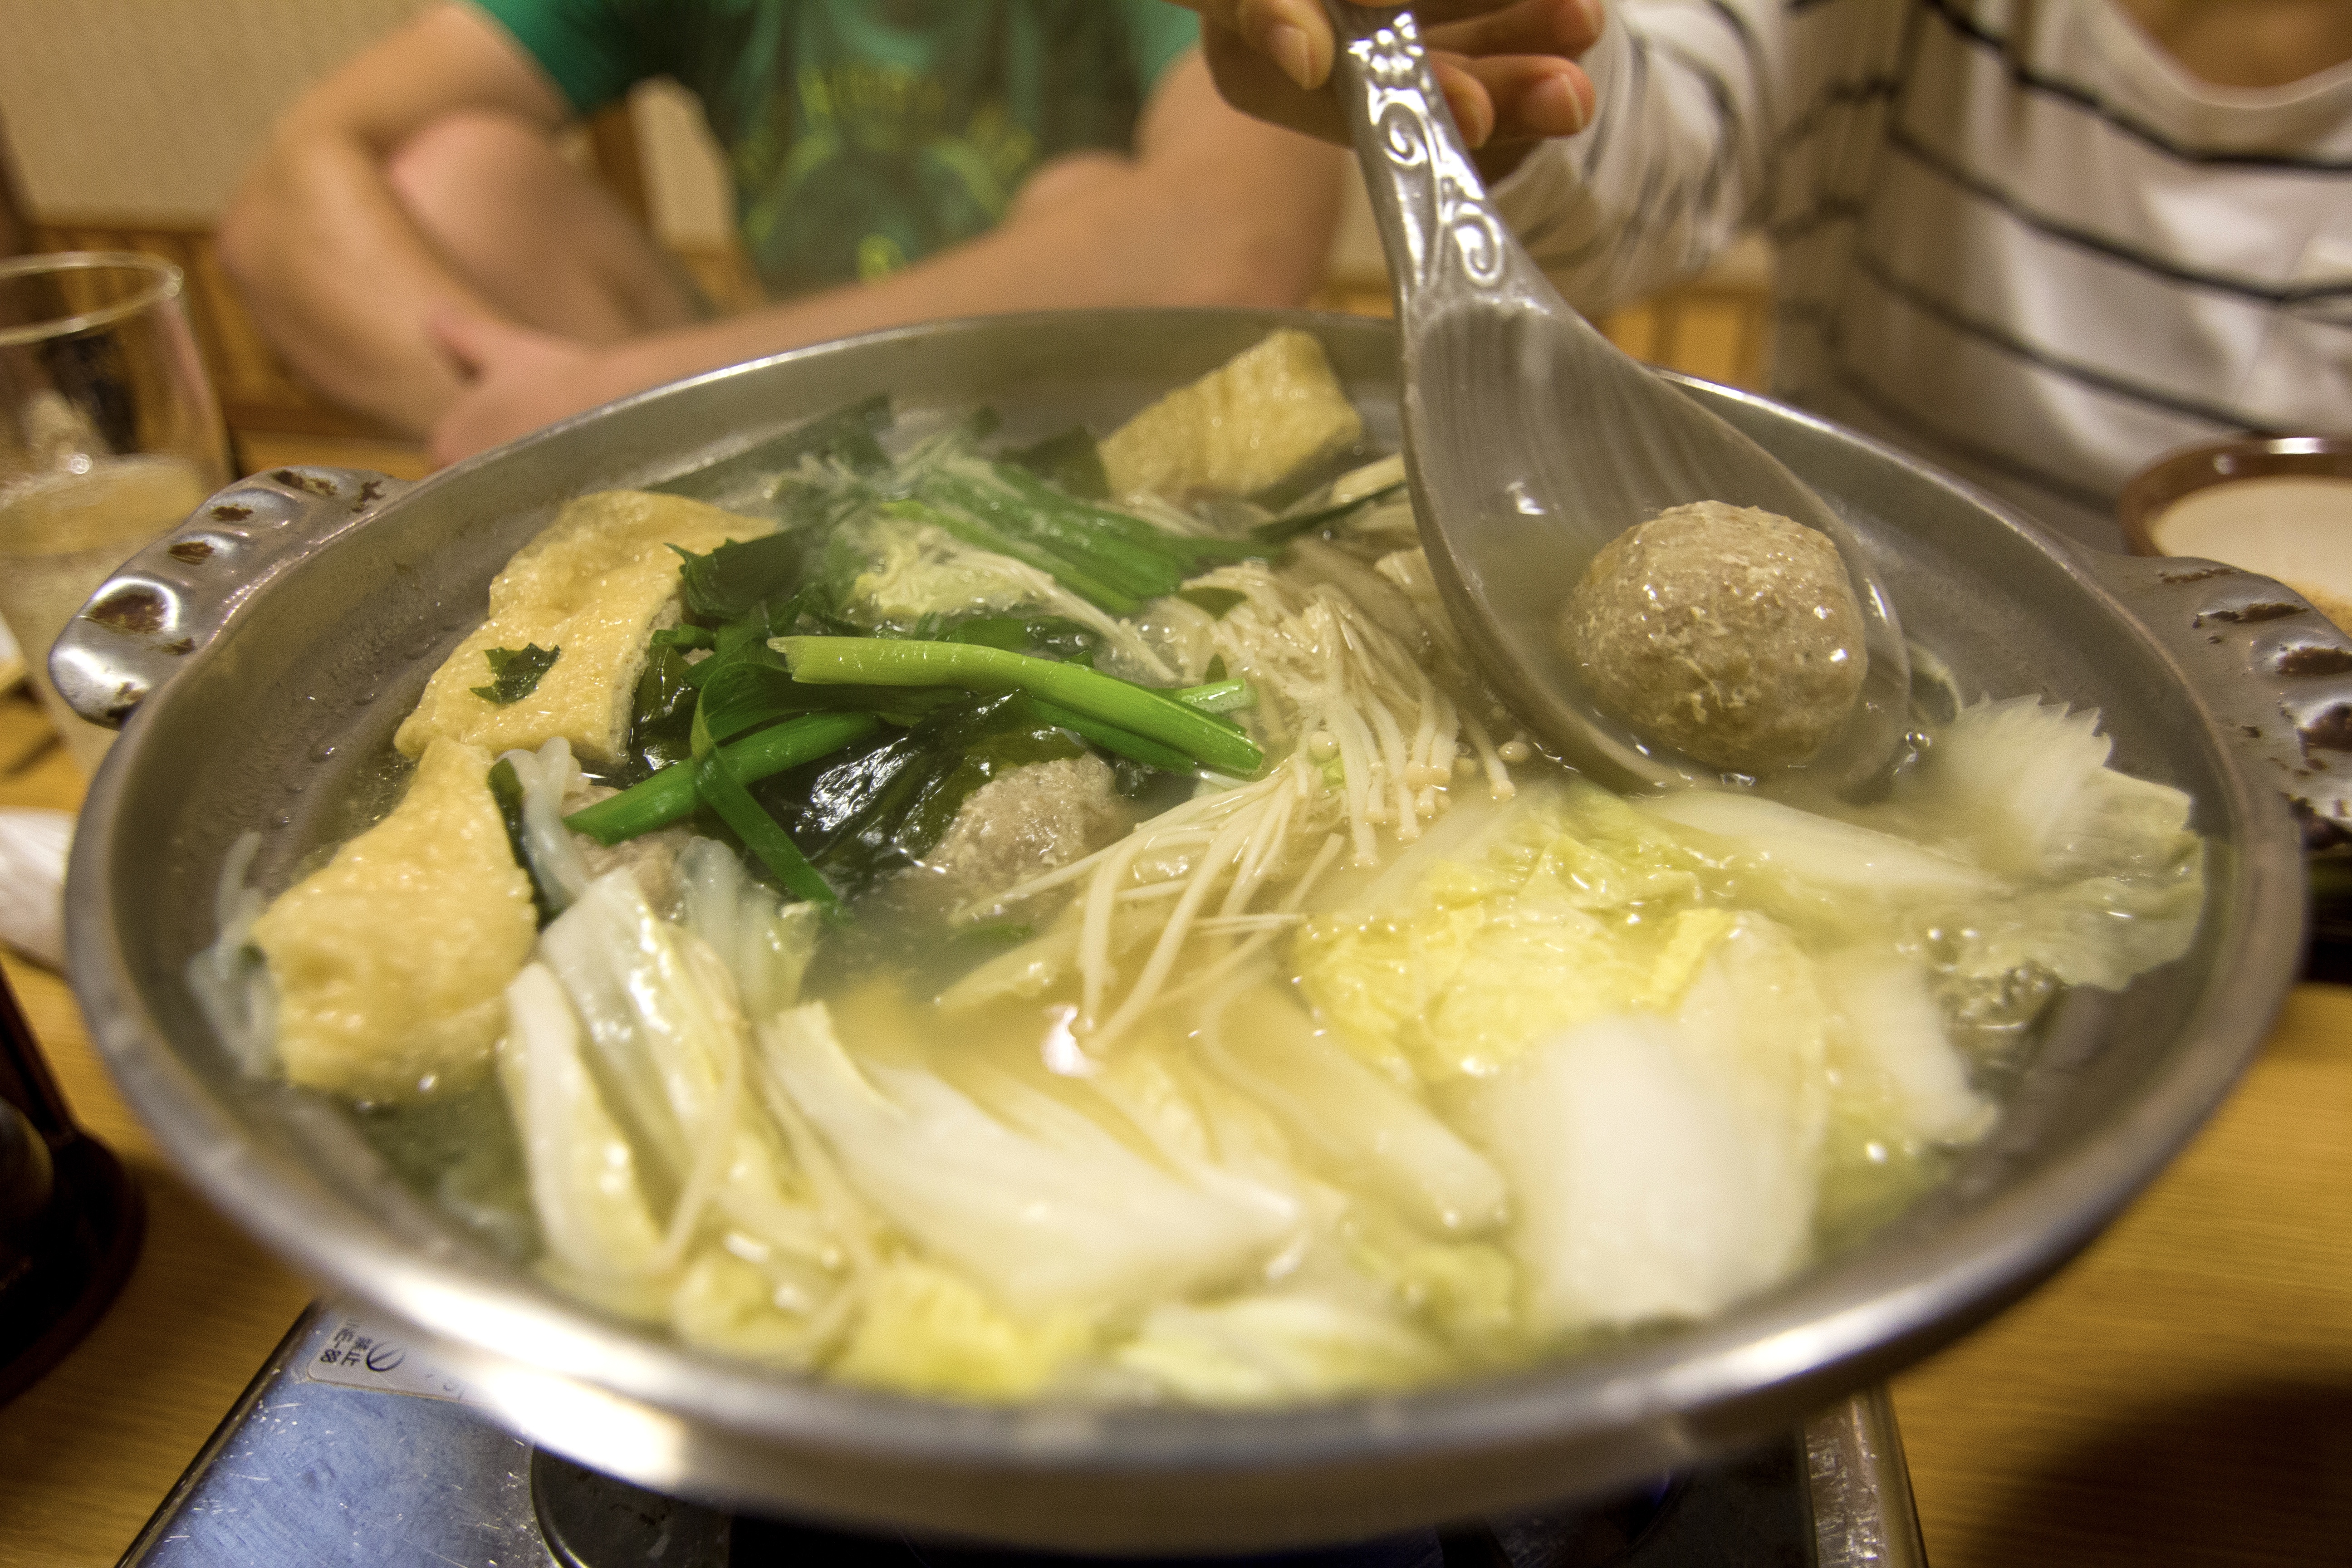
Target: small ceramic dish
2286	513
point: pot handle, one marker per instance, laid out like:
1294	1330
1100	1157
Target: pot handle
176	596
2275	671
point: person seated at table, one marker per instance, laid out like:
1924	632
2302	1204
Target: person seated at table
2039	242
415	245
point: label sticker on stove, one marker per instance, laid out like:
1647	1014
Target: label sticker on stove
356	1354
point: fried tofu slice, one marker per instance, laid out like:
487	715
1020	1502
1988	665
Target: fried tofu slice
1253	422
594	586
391	962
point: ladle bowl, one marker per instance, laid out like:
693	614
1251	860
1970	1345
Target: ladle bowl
1531	440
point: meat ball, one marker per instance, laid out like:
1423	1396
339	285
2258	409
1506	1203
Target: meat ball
1730	633
1018	825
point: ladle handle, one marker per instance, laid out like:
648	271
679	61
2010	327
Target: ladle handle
1443	239
177	595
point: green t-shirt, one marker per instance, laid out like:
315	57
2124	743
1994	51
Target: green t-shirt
865	133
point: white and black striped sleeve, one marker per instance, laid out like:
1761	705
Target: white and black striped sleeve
1675	163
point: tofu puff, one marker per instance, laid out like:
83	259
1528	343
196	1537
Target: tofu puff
391	962
594	586
1252	423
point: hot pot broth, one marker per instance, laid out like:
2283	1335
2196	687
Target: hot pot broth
1003	1045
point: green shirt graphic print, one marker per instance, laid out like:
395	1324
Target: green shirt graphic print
863	134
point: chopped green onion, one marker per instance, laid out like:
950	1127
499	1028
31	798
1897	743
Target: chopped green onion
1283	530
977	531
669	796
1128	565
876	661
1121	743
1217	696
718	787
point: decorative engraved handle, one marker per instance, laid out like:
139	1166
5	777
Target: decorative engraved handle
2276	672
178	594
1432	208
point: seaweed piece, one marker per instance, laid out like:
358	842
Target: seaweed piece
506	788
661	718
732	581
515	673
883	807
1217	601
1070	461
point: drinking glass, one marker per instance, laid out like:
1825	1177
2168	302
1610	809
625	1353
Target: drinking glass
110	434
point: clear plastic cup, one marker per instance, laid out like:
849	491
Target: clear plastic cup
109	435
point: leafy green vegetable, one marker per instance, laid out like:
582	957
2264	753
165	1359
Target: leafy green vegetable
846	433
1043	637
669	796
1283	530
1121	743
884	808
1217	601
515	673
985	536
1188	550
1070	461
733	579
661	716
717	785
1151	714
506	788
1142	568
1217	695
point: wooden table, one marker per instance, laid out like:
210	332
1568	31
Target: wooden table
2182	1395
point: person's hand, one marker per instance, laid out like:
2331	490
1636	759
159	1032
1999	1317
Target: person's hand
1507	66
517	380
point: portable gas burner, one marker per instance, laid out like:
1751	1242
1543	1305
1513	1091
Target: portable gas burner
346	1448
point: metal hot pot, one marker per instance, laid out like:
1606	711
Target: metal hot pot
270	645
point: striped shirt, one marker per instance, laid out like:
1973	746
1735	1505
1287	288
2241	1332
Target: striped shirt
2013	235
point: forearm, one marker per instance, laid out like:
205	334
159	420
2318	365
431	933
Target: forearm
1245	219
340	279
1676	160
1212	209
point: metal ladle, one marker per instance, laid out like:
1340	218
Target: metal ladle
1531	441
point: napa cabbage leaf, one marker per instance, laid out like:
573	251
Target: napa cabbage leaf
928	1329
599	1233
1273	1348
1360	1125
1534	931
667	1044
1045	1207
1650	1183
